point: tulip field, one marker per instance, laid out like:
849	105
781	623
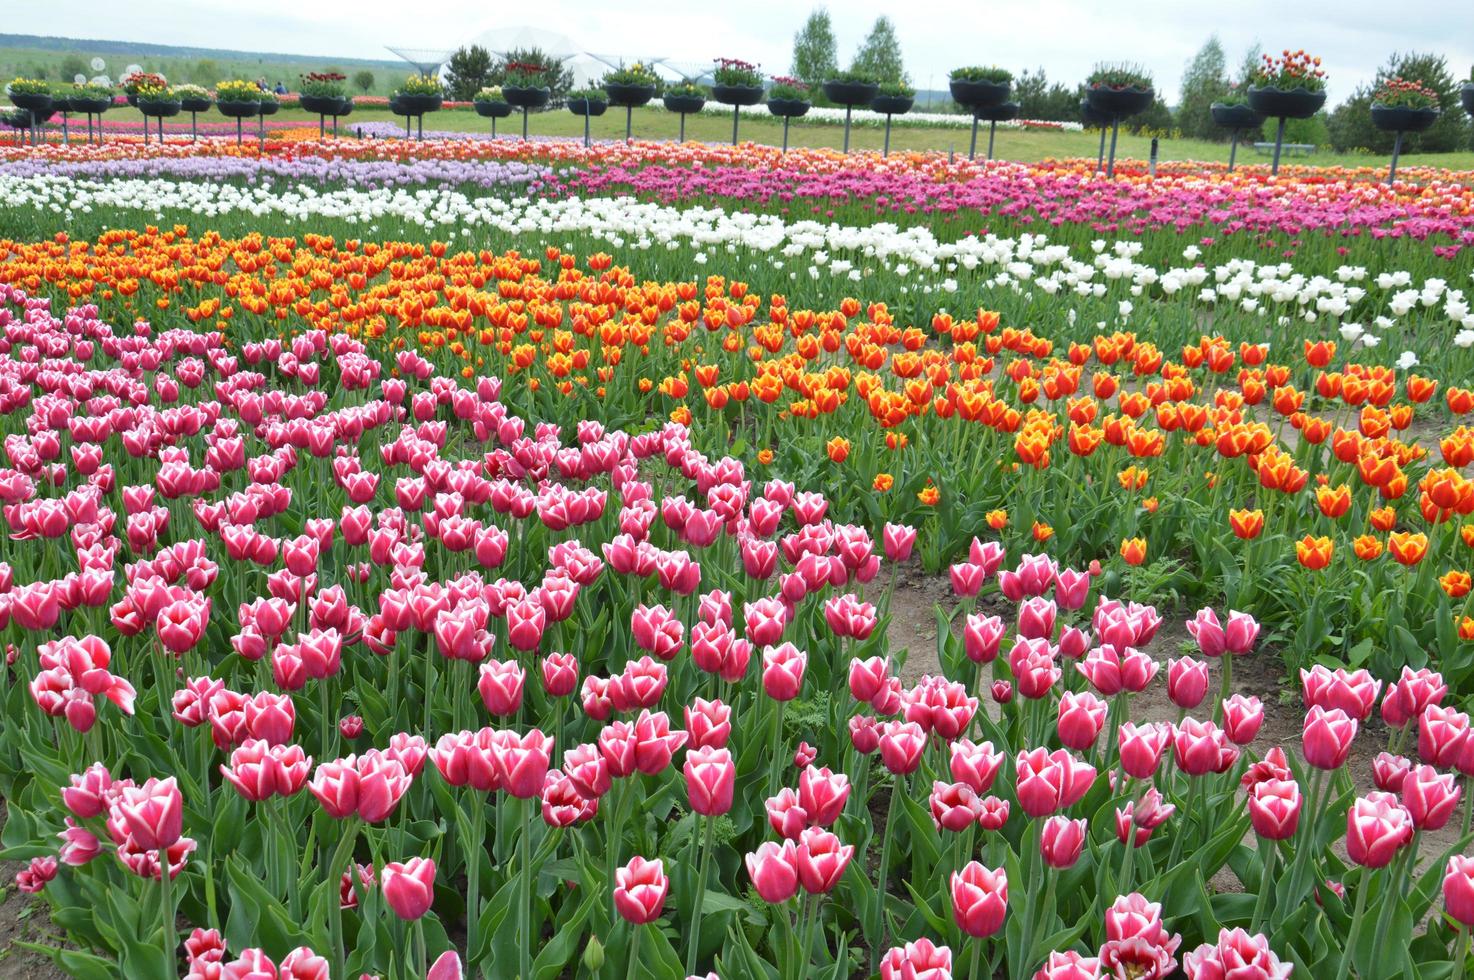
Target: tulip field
511	559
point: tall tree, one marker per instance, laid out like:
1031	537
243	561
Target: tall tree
364	79
1253	58
815	57
467	72
880	54
1038	98
1204	81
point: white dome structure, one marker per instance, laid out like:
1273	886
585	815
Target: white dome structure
586	69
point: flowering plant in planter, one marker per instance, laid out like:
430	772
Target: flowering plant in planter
635	74
90	90
491	93
191	91
138	81
735	72
522	74
1291	70
687	87
1122	76
28	86
1236	94
593	96
897	90
420	85
236	90
787	89
327	85
981	73
1401	93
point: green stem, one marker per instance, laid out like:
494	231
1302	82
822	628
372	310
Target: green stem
1266	883
632	970
344	851
166	907
475	846
693	950
524	902
1362	888
878	926
806	946
972	969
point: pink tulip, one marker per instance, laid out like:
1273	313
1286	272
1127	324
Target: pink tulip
783	671
711	777
1430	797
974	764
1414	691
152	814
1061	841
773	869
921	960
1141	747
560	674
1238	955
1442	735
1377	827
1390	771
500	685
898	540
409	887
954	806
1048	782
1458	889
1242	718
981	637
1187	682
640	888
1208	632
1354	692
521	761
1201	747
1328	736
1082	715
979	899
823	794
1274	808
901	745
1069	965
821	860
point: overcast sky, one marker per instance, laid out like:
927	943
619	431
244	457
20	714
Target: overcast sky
1064	36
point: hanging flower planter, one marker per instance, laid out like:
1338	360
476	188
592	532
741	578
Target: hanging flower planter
736	83
788	99
893	103
979	87
588	104
684	99
850	90
1237	118
993	114
629	88
1401	106
491	104
1118	91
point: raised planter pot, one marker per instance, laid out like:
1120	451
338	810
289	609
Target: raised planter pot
1466	94
132	99
345	106
95	107
493	110
322	105
1119	102
975	94
238	110
892	105
850	93
737	95
587	107
159	108
789	110
993	115
628	95
196	104
415	104
269	108
1236	116
35	102
1292	103
684	104
1398	119
530	97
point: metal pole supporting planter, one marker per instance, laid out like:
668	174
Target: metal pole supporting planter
1233	149
1396	152
524	124
1111	164
683	128
586	130
992	129
972	147
847	110
785	134
194	132
1279	141
629	115
886	151
1100	154
736	109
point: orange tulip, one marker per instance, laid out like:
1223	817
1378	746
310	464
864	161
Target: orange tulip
1042	532
1314	553
1407	547
1333	502
838	449
930	496
998	520
1246	524
883	482
1133	550
1456	584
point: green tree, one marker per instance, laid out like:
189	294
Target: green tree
1253	58
205	72
1038	98
880	53
1350	127
467	72
364	79
559	75
814	50
1204	82
72	66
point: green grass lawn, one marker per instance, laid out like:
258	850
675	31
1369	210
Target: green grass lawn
1028	146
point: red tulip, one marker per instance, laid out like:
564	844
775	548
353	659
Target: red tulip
1328	736
974	764
1377	827
500	685
640	888
711	777
1458	889
1187	682
979	899
1061	840
1048	782
1430	797
773	869
1274	808
409	887
821	860
1082	715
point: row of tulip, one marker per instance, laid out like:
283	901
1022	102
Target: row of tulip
168	752
1302	485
